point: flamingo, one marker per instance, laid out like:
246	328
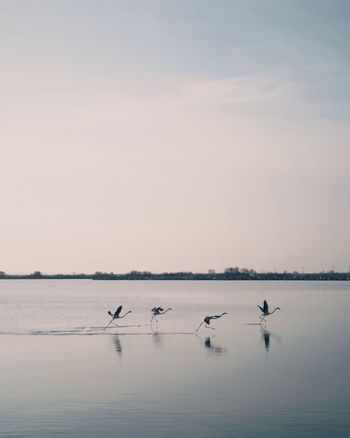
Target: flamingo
158	311
116	315
207	320
265	311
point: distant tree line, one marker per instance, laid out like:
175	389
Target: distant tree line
37	275
229	274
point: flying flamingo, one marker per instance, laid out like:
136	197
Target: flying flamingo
116	315
265	311
158	311
207	320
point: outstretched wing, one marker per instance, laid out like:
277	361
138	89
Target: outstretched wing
266	307
260	308
117	312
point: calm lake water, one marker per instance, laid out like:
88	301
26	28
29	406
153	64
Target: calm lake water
61	375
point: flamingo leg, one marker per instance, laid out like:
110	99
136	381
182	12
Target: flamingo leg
262	318
153	319
200	326
110	322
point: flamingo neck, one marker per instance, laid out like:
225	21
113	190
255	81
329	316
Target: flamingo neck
165	311
125	314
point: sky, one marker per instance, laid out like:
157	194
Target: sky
174	135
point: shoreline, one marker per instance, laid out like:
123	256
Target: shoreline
186	277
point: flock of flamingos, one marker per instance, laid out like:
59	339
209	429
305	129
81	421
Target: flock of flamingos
157	311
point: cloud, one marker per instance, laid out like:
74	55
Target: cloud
238	90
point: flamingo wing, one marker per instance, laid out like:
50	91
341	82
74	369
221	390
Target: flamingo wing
117	312
260	308
266	307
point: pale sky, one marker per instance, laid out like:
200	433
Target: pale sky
174	135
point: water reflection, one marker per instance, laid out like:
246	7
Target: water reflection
157	339
118	345
266	336
214	348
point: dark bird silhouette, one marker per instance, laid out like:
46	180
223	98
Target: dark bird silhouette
116	315
158	311
207	320
265	311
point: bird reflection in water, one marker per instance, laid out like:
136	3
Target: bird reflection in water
214	348
157	339
266	336
118	345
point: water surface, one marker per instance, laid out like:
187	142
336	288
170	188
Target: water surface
61	374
